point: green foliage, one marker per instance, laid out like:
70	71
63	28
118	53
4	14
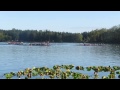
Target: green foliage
34	73
88	68
39	36
65	72
118	72
8	76
103	35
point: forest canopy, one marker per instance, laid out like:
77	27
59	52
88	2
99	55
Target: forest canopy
103	35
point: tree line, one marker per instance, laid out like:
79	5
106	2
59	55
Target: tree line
111	35
38	36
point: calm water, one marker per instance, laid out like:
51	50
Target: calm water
18	57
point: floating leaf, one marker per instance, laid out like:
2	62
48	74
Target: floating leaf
118	72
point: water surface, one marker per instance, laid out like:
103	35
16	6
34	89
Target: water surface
18	57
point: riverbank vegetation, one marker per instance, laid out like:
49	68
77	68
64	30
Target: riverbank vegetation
66	72
103	35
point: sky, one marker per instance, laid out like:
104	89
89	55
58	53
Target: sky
60	21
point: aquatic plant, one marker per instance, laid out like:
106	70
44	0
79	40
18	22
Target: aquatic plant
8	75
65	72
